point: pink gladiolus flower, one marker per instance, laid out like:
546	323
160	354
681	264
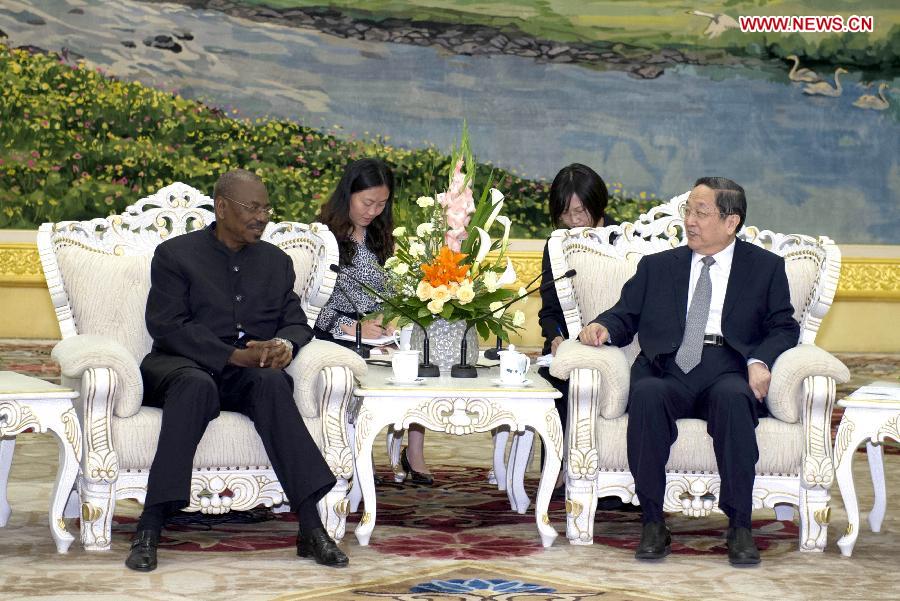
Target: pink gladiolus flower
31	164
35	154
459	204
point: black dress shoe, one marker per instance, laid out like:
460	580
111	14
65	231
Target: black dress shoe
742	549
323	549
612	503
656	541
143	551
414	476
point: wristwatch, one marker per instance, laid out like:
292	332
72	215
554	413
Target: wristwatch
287	343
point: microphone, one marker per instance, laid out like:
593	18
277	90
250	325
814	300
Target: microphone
463	369
360	350
494	353
426	369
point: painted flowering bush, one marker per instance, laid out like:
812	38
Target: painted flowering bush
76	144
447	265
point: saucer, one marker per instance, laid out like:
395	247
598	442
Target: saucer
413	382
502	384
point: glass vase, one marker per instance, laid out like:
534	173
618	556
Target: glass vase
444	341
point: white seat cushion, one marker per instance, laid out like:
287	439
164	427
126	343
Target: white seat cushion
230	440
780	446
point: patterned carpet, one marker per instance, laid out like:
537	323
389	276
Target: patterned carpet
456	540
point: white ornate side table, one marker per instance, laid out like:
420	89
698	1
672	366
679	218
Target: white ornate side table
30	403
457	406
871	414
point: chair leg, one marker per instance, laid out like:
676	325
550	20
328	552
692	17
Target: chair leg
98	504
815	513
333	509
497	474
581	505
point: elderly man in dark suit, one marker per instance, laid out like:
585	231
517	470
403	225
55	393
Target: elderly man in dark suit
225	322
712	317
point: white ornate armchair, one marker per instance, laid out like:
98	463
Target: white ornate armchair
795	464
98	273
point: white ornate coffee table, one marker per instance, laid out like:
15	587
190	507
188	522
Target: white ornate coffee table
30	403
871	414
456	406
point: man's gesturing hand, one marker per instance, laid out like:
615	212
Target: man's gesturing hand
759	376
593	334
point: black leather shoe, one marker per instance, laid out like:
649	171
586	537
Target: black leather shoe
323	549
742	549
612	503
143	551
414	476
656	541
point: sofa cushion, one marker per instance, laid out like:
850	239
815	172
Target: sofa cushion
108	295
780	446
230	441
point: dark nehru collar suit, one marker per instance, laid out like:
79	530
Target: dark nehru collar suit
757	323
205	301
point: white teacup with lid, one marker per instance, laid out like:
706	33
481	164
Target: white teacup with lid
514	365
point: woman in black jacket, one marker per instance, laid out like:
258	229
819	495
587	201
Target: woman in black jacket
578	198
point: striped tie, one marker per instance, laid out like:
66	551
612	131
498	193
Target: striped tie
691	348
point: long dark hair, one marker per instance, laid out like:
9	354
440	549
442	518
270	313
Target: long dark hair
581	180
361	175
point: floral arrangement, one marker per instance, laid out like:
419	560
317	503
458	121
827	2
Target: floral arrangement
446	265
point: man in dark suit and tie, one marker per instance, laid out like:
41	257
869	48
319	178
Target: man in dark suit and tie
713	316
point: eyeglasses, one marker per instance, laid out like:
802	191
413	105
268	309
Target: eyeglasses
255	209
687	211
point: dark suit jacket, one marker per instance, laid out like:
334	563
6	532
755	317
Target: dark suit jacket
202	295
757	317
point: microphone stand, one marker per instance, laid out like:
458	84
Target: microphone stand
426	369
463	369
494	353
360	350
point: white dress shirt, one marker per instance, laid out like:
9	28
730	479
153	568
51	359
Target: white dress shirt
718	275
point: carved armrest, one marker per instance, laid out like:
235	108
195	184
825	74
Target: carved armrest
77	354
312	359
786	399
611	364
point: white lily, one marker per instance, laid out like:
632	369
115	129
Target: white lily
484	246
509	276
497	202
504	220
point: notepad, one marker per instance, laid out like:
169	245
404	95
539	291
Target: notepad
382	341
878	390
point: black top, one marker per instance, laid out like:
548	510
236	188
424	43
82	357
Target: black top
550	316
206	300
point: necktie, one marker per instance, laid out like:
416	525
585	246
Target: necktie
691	348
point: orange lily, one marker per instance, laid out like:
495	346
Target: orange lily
445	268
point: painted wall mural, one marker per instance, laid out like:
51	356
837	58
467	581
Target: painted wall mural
651	94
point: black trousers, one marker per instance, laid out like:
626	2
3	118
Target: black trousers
191	397
717	390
